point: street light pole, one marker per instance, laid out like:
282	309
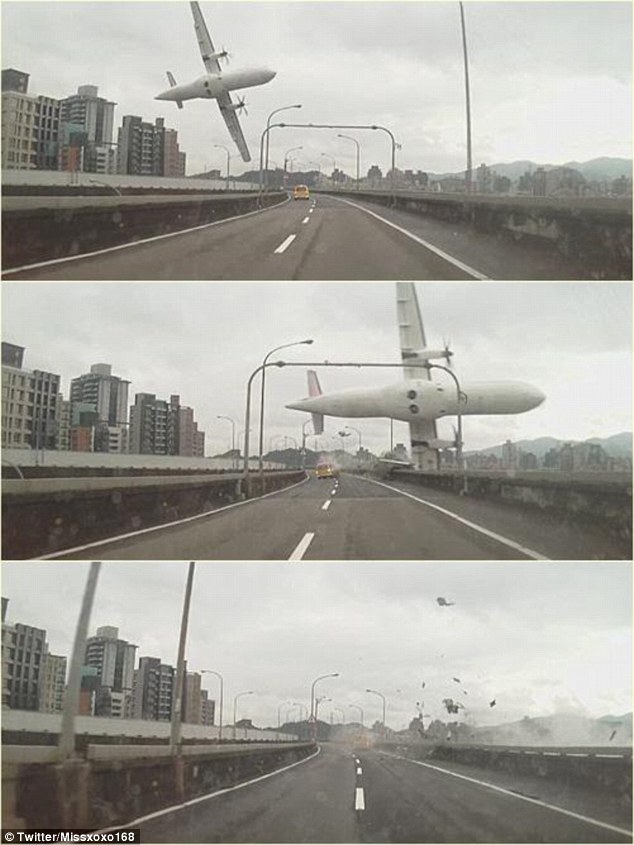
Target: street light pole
468	173
461	397
360	709
376	692
233	436
291	150
235	708
222	685
312	692
307	342
66	744
358	433
175	732
268	126
222	147
354	140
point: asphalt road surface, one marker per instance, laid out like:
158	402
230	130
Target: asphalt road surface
339	796
325	238
353	518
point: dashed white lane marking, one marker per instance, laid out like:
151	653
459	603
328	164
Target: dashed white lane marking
285	244
359	799
332	493
300	549
137	243
326	505
306	219
175	807
439	252
501	789
359	771
358	762
165	525
310	210
500	539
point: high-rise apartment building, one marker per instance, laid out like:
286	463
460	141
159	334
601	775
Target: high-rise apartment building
52	683
174	161
30	401
24	649
86	127
153	690
19	122
108	393
114	660
158	427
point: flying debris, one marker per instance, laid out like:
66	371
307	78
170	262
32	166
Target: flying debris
452	706
423	685
457	680
444	603
492	703
612	735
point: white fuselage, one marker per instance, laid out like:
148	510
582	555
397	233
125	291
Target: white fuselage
425	400
213	85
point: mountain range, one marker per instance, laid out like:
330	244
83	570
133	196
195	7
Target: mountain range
595	169
616	446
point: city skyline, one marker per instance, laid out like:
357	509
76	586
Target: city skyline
573	341
569	654
575	52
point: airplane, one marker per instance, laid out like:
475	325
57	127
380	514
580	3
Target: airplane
419	399
216	84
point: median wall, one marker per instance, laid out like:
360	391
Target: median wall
113	785
601	499
46	515
595	230
41	229
607	770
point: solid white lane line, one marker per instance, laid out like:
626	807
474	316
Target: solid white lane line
444	255
519	797
300	549
326	505
176	807
306	219
138	243
285	244
498	537
359	799
153	528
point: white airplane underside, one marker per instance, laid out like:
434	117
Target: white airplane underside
419	400
217	84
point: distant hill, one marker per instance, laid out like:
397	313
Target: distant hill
560	729
616	446
595	169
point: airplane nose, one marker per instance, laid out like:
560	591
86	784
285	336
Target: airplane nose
537	396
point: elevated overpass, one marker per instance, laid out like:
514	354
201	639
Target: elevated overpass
337	236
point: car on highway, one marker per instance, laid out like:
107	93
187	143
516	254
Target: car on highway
326	470
301	192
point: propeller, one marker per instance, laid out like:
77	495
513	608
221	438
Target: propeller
447	353
241	106
224	55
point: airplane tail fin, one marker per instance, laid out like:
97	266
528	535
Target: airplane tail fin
172	82
314	389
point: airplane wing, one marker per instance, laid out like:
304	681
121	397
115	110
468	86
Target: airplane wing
233	125
410	327
204	40
412	339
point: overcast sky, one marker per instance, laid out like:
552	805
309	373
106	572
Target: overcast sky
202	341
539	638
550	82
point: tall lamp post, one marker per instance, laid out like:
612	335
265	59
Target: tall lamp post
354	140
292	150
312	692
233	435
222	687
360	709
235	708
177	716
268	126
264	363
461	397
358	433
380	694
226	149
467	98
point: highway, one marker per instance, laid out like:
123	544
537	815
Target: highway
353	518
370	796
325	238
